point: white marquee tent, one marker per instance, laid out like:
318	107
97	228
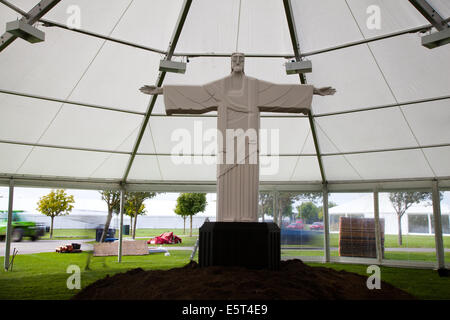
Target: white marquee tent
71	113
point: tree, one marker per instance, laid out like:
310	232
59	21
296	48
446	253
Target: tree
401	201
287	199
189	204
184	216
309	212
134	206
112	199
56	203
331	204
265	204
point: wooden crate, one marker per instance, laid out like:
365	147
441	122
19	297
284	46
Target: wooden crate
357	237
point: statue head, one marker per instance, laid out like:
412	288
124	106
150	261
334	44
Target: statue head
237	62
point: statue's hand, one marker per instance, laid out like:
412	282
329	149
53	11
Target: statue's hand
325	91
151	90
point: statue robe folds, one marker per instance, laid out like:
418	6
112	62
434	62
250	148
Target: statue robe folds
238	111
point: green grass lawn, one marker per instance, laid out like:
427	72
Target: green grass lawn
423	284
409	241
43	275
411	256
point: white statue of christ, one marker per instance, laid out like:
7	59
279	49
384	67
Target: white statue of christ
238	99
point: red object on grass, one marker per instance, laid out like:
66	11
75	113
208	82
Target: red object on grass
165	238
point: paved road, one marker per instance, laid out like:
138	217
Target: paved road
27	247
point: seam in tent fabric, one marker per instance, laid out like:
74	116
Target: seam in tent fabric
238	25
391	91
111	154
75	86
342	155
154	147
300	152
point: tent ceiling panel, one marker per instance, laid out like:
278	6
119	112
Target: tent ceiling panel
323	24
115	76
145	168
90	128
391	165
112	167
98	16
277	168
338	168
439	159
24	119
306	169
186	168
356	77
211	26
148	23
263	31
413	71
370	130
429	121
12	157
292	132
394	16
57	64
61	162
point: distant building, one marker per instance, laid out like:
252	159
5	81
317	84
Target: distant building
418	219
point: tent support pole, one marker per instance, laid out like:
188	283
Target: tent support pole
9	225
376	213
122	199
326	224
438	225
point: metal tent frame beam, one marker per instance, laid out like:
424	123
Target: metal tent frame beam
331	154
430	14
422	28
123	110
296	47
172	44
37	12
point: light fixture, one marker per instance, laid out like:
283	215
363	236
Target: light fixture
436	39
172	66
294	67
25	31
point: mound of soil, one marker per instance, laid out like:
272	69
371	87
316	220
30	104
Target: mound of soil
294	281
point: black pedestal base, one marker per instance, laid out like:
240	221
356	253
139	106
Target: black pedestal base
254	245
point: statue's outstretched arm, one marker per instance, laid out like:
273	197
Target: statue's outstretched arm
325	91
151	90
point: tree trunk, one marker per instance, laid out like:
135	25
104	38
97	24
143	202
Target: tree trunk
190	229
131	224
400	240
134	227
184	224
106	228
51	227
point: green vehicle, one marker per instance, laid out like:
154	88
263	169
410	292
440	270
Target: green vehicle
20	227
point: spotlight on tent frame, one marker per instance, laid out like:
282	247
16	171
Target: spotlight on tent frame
294	67
172	66
25	31
436	39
